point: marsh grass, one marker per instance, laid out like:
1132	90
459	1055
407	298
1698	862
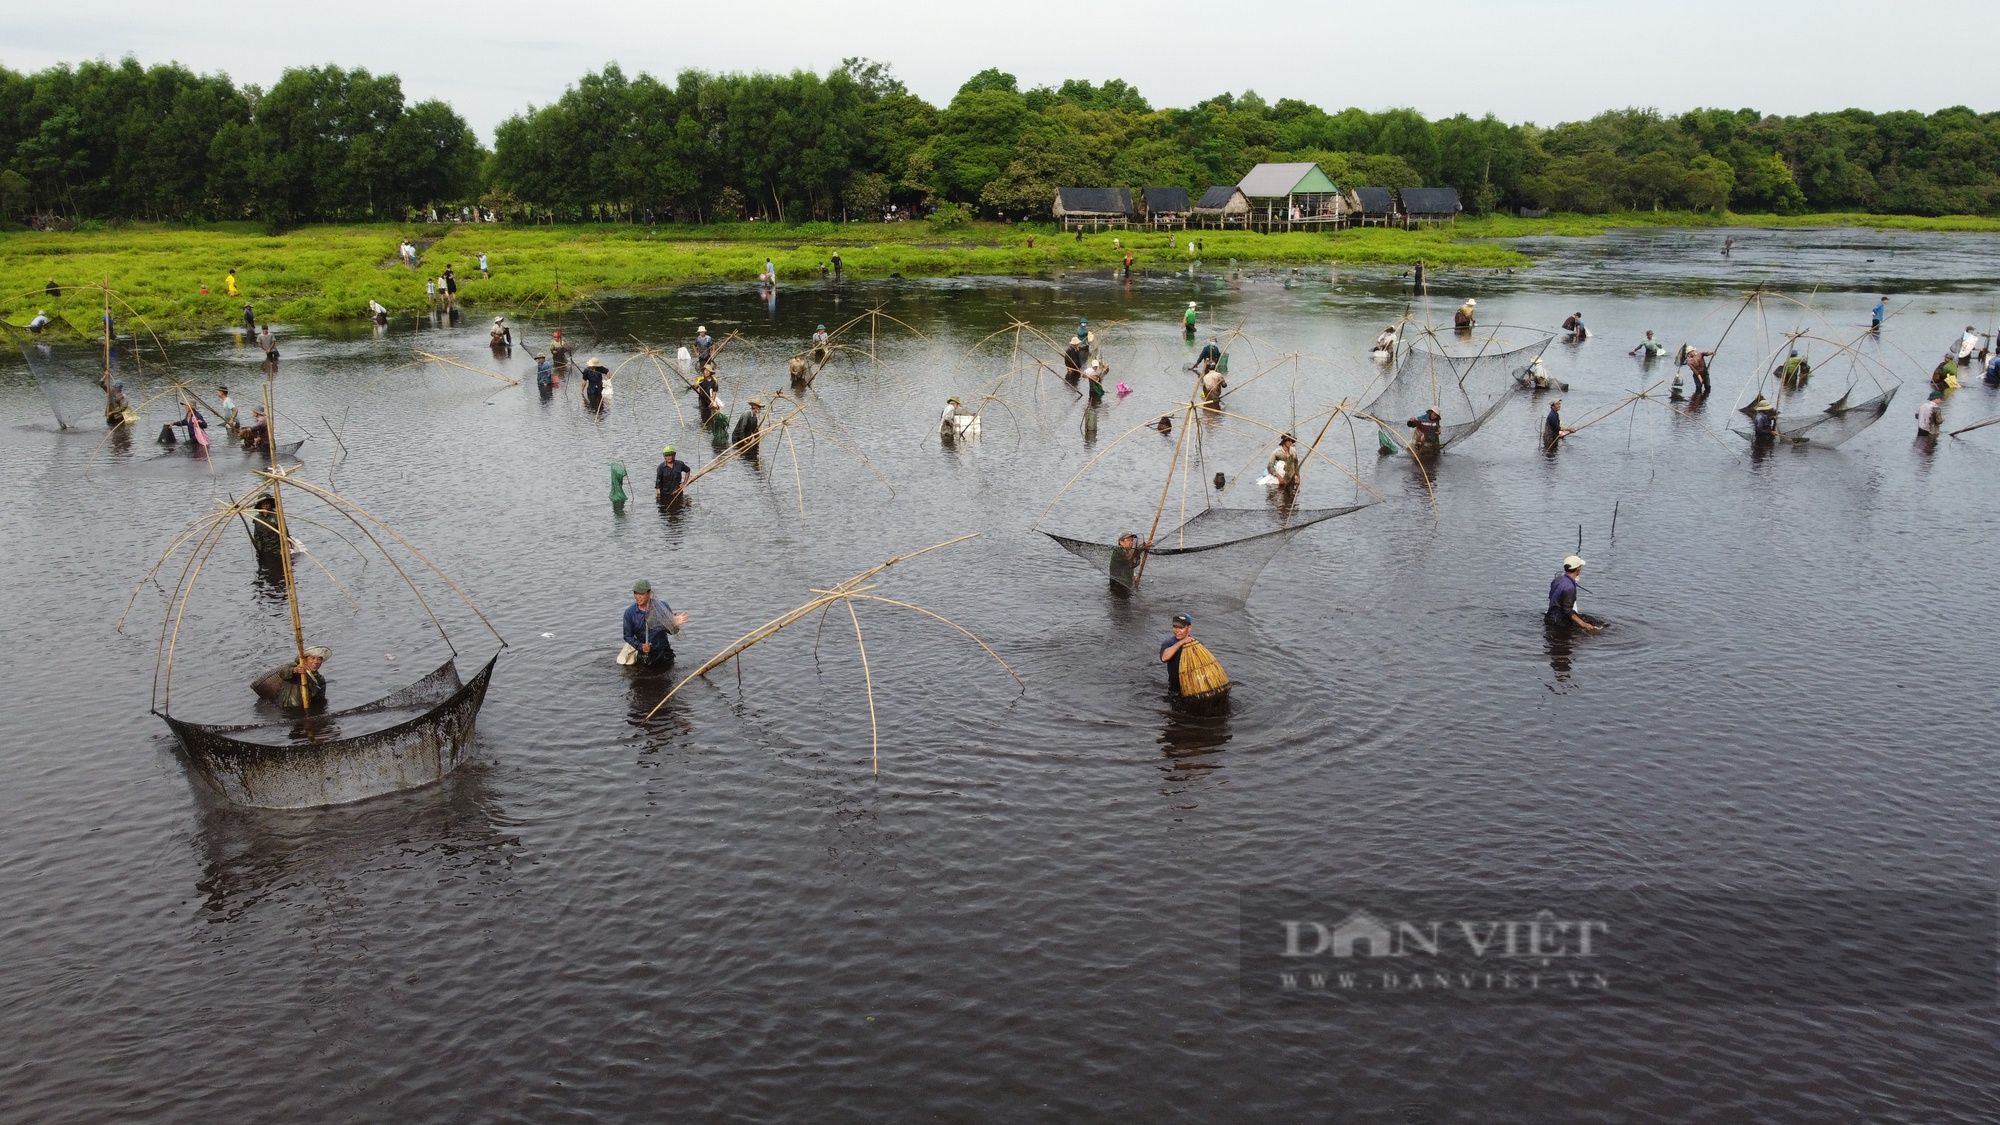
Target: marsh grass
329	273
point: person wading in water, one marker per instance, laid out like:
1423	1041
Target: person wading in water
1562	612
647	626
296	685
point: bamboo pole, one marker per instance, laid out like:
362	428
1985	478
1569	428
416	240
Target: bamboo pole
284	540
469	367
1180	440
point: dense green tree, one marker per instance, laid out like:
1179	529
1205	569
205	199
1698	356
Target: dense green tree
105	140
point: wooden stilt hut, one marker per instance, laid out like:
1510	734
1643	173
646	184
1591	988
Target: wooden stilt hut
1293	197
1164	208
1375	207
1432	205
1093	207
1221	207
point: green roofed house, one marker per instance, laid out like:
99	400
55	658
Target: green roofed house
1293	196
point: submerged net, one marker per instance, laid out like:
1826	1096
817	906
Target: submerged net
432	690
1832	426
1218	552
1466	386
410	737
67	376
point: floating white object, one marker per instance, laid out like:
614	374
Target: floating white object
546	636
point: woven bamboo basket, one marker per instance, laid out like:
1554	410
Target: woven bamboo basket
1202	677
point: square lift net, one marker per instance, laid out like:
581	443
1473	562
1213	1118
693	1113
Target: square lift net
1467	385
1216	553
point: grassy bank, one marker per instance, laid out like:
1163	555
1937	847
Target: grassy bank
327	273
332	272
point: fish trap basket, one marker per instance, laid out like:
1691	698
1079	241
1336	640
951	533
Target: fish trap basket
1202	677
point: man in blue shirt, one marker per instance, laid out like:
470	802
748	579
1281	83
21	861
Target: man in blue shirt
1170	650
1553	430
649	623
1562	612
1881	311
704	344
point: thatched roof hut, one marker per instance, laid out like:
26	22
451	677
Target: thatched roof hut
1430	205
1376	206
1224	206
1093	206
1164	206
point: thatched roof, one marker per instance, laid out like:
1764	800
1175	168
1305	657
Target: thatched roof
1093	201
1165	200
1429	201
1226	197
1376	200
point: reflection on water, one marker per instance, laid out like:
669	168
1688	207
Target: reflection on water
248	855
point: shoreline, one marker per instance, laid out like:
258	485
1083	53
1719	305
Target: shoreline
324	274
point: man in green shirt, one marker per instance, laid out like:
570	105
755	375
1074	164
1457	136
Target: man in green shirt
295	686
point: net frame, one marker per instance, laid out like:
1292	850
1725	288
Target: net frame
1187	567
1470	388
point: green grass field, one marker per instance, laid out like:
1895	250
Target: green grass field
328	273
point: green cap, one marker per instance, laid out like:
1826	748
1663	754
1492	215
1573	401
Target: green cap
666	451
642	587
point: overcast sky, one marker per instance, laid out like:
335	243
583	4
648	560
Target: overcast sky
1525	61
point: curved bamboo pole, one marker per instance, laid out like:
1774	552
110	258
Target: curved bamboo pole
845	593
868	681
468	367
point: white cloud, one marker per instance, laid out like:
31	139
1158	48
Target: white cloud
1544	61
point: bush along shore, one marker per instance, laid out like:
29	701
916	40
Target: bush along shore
321	274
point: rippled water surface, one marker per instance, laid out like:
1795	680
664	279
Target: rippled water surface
1031	913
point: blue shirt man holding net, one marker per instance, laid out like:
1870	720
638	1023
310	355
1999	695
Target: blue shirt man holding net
648	623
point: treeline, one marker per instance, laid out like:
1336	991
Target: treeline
848	143
103	141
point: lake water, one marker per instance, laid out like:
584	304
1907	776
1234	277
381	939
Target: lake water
1032	912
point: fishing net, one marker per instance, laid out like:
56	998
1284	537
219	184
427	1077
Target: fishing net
1829	428
67	376
1218	552
409	737
1465	384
